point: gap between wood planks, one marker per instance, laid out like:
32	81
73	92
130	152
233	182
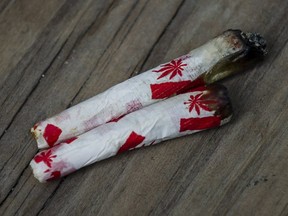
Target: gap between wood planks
5	4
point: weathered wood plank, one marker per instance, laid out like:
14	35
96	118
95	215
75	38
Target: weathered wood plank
8	146
120	205
20	29
87	59
83	48
38	58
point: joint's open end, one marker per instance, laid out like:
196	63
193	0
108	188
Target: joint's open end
255	41
218	94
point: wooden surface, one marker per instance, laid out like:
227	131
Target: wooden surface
56	53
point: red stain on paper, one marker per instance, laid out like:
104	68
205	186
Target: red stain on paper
51	134
133	105
91	123
68	141
199	123
184	57
62	117
60	168
35	126
55	175
45	157
132	141
116	119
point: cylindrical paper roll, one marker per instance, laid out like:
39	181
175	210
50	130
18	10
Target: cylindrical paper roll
214	60
197	110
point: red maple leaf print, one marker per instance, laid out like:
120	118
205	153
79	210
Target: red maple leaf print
199	123
51	134
174	67
45	157
196	102
132	141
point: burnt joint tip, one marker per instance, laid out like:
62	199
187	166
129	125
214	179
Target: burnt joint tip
255	41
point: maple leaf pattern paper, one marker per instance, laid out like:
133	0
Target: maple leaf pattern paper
197	102
45	157
174	67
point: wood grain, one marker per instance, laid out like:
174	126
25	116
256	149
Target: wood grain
57	53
